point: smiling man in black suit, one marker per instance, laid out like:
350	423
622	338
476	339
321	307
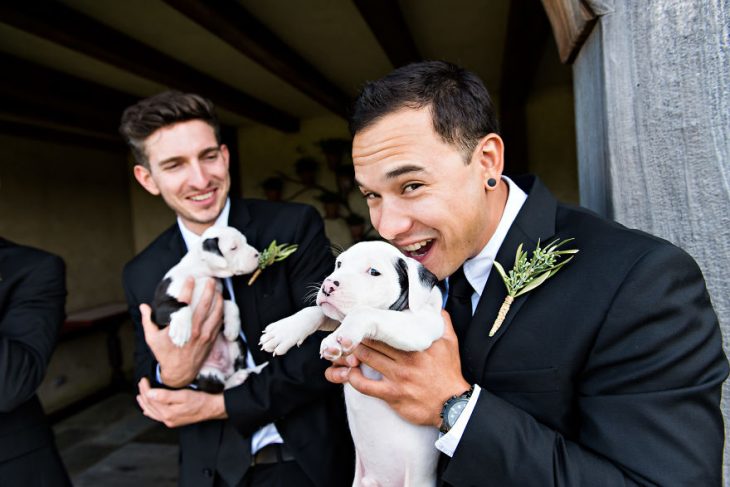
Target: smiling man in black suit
32	310
607	374
284	426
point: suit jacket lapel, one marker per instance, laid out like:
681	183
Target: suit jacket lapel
246	296
535	221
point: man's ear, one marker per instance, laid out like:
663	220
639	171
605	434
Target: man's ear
489	156
144	178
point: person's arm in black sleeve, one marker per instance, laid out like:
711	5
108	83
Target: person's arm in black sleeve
29	328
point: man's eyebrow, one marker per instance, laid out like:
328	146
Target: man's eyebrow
170	159
207	150
399	171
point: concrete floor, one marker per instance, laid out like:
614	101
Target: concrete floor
111	444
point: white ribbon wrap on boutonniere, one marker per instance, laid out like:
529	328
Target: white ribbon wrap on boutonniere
527	274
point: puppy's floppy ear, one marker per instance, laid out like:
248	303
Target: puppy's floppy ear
211	245
401	269
416	283
421	282
212	254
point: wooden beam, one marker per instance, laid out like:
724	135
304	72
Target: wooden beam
33	92
572	21
56	135
60	24
237	27
386	21
527	31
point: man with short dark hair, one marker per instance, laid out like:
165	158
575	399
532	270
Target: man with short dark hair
607	373
285	425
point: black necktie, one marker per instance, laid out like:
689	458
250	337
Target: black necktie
458	303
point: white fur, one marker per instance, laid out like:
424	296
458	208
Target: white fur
238	258
389	450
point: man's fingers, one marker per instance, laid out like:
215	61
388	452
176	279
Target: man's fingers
448	326
376	388
186	293
149	327
203	308
213	321
337	374
371	353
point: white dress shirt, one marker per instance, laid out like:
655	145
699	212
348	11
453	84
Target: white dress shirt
477	271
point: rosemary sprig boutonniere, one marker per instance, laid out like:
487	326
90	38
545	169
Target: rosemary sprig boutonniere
527	274
274	253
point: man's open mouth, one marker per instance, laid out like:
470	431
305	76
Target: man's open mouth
417	250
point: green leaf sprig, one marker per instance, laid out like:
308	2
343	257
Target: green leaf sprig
274	253
527	274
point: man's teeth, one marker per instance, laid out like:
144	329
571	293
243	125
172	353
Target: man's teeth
415	246
201	197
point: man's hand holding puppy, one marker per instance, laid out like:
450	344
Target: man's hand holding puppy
180	365
414	384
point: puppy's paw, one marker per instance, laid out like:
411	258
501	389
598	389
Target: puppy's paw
331	348
280	336
238	378
181	326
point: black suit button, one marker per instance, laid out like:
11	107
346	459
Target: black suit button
207	472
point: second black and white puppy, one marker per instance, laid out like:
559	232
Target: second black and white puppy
375	292
222	252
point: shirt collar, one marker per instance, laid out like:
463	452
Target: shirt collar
478	267
191	238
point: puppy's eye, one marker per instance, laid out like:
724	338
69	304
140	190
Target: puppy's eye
233	248
338	265
373	272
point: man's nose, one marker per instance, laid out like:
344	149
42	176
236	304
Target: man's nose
390	220
199	177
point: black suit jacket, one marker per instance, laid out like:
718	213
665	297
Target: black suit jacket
32	301
608	374
291	391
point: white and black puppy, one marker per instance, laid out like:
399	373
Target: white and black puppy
222	252
374	292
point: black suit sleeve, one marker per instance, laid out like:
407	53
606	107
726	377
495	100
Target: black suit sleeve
144	362
29	326
647	397
292	381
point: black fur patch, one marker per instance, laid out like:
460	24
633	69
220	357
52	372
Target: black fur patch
240	362
211	245
207	383
402	269
427	277
163	305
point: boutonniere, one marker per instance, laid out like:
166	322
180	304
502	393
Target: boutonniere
527	274
274	253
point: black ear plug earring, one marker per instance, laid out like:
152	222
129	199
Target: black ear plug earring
491	182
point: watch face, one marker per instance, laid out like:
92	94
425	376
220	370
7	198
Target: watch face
455	411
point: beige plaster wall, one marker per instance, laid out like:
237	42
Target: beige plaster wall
71	201
263	151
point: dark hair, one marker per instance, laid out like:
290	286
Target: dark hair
461	107
143	118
